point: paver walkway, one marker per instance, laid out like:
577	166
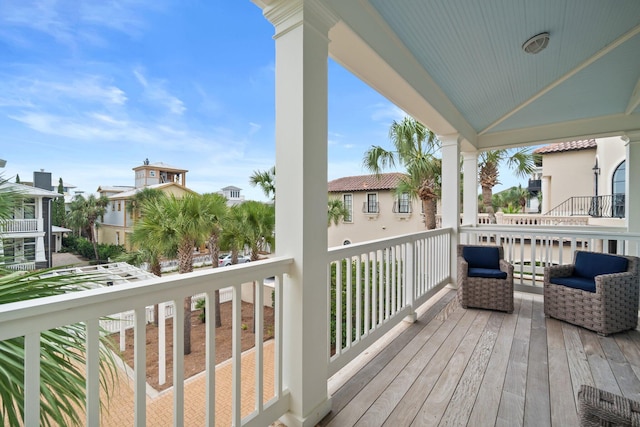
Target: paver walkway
160	408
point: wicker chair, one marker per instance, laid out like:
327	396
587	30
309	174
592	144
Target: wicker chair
485	279
598	292
601	408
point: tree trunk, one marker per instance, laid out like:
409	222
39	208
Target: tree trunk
429	207
214	250
187	325
94	241
487	195
156	269
185	262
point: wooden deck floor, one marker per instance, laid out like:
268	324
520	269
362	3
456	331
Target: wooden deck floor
457	367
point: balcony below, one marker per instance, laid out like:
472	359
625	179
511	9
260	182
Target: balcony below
478	368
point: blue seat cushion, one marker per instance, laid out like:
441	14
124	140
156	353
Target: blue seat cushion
482	257
575	282
590	265
489	273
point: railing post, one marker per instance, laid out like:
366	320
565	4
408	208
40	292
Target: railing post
632	200
409	280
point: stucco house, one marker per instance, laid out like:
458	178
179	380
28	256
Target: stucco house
585	177
118	221
375	210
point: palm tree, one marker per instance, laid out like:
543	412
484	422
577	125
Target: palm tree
254	224
214	208
521	161
415	148
266	180
84	216
134	206
336	211
62	349
179	224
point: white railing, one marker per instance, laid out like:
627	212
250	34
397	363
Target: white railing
531	248
19	225
126	320
373	286
29	318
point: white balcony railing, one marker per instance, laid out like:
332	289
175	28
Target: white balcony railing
19	226
531	248
29	318
374	285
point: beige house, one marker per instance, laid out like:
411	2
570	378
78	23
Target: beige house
585	177
118	221
375	211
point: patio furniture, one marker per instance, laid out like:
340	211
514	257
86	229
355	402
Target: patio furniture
485	279
598	292
601	408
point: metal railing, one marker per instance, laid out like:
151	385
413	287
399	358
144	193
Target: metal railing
402	207
609	206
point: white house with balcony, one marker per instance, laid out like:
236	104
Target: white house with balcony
481	75
26	240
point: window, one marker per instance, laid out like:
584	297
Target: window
371	205
29	208
235	194
404	203
119	206
346	242
618	191
347	201
19	250
152	174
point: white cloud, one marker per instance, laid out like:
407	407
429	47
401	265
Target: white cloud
154	91
386	113
74	23
254	128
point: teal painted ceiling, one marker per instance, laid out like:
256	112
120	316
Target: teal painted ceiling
472	50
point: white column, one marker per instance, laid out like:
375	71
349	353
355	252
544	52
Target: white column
632	199
451	193
302	28
470	189
546	194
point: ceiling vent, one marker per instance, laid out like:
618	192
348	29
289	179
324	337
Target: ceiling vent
536	43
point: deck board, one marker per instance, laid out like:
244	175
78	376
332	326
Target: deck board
480	368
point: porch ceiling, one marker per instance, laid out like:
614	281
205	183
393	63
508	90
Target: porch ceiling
458	65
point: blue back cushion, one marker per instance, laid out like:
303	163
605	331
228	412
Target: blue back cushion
482	257
590	265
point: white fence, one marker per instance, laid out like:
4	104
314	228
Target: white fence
375	285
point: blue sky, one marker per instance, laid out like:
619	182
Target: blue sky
89	89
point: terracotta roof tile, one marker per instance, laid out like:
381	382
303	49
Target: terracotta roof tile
385	181
582	144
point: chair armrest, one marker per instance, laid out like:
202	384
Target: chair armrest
506	266
599	407
463	266
611	283
557	271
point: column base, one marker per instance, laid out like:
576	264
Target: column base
293	420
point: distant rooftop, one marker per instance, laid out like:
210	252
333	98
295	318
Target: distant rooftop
582	144
384	181
160	165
